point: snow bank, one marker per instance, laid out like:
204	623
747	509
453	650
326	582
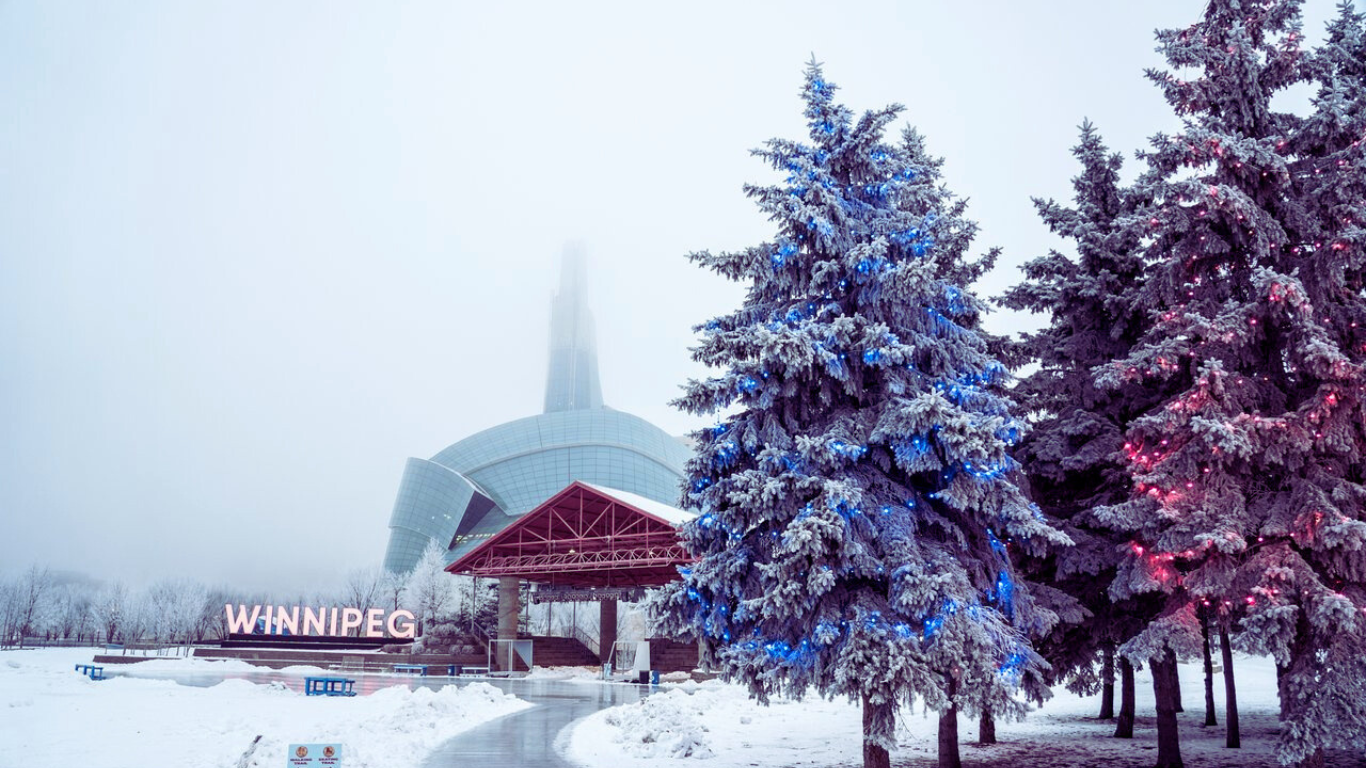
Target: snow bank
52	716
564	673
186	664
720	724
664	725
717	723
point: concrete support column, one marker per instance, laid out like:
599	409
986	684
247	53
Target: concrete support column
509	606
607	629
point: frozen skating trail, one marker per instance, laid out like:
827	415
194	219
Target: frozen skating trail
526	739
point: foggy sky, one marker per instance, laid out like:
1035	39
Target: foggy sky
254	255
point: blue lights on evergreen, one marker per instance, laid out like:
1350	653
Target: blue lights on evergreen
847	450
726	454
1005	594
908	451
953	300
931	626
1012	670
877	388
1009	434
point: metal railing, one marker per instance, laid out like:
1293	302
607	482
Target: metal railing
592	643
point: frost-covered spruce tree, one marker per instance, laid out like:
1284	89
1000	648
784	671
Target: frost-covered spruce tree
856	498
1072	454
1248	481
1331	147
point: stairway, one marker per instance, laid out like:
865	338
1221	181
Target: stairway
561	652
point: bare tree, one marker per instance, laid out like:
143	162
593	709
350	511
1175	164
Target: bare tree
9	612
108	609
71	610
391	590
175	608
364	588
34	589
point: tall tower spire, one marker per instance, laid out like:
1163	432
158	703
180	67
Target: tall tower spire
572	382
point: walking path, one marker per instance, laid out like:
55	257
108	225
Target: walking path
526	739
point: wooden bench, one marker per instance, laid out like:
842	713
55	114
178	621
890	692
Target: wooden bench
91	671
411	669
462	670
329	686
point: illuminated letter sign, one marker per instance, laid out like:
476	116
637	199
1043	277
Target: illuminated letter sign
280	619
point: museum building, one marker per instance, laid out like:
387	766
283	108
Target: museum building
482	484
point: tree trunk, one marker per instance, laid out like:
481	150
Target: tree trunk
1210	719
1230	693
1107	682
986	728
1176	685
1124	728
1164	691
948	739
874	755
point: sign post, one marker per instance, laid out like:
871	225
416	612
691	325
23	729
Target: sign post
314	756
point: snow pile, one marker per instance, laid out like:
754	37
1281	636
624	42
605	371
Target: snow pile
187	664
720	721
563	673
53	716
663	725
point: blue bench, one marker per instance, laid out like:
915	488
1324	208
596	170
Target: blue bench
91	671
411	669
329	686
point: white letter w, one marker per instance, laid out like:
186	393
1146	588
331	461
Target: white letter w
240	623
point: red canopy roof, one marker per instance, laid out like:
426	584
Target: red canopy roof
583	536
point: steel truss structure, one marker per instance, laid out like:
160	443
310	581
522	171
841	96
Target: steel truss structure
581	537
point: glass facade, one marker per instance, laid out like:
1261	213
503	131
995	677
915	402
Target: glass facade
520	464
477	486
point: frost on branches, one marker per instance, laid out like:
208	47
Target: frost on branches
1249	481
1072	453
856	502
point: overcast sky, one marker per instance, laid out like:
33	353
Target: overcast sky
253	255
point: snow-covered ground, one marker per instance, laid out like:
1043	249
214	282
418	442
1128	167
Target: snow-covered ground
52	716
718	723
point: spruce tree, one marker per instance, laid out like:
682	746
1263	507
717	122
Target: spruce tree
1248	480
1072	455
856	501
1330	147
